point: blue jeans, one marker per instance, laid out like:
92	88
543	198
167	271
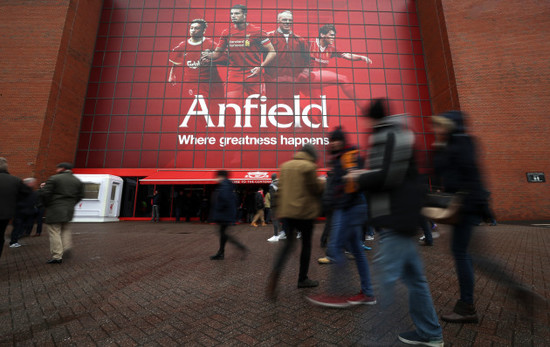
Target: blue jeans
462	233
346	233
399	259
427	229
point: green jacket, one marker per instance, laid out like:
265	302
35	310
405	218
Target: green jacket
60	195
300	190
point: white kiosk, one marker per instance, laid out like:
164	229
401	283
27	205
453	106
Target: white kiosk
102	197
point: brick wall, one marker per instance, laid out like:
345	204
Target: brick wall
47	47
496	54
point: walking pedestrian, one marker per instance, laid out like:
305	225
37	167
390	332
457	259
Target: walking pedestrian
395	194
59	195
25	214
298	204
224	213
155	201
349	210
259	206
12	189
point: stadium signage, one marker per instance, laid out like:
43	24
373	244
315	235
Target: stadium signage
301	116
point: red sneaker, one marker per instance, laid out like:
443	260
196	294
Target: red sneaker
361	299
329	301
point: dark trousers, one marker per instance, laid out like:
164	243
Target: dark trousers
462	234
21	224
291	226
224	238
427	230
3	225
39	220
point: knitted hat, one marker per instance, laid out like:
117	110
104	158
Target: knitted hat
337	135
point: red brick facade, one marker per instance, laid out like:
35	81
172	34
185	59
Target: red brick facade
47	49
488	58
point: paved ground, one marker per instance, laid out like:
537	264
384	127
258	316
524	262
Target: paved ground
138	283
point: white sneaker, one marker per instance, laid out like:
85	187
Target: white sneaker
273	239
299	235
282	235
369	238
15	245
422	238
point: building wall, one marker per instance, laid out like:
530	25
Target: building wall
496	54
47	48
488	58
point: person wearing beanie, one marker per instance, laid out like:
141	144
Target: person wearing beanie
348	207
395	193
298	204
59	196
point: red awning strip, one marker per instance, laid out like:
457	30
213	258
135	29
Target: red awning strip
206	177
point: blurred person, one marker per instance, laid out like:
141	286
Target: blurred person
456	166
395	196
327	210
59	195
224	213
199	77
25	214
179	203
291	64
12	189
349	209
267	207
40	211
278	230
204	209
487	215
249	50
259	207
155	201
298	204
322	50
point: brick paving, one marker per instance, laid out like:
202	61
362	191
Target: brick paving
145	284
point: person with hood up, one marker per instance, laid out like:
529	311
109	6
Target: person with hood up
456	170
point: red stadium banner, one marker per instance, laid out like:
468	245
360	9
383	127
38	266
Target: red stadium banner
221	84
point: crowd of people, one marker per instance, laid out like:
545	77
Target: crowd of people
52	204
382	192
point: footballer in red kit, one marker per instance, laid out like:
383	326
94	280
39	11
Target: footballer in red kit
291	64
322	50
198	77
245	45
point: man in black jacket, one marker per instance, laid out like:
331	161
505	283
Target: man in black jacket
395	198
224	212
25	214
11	189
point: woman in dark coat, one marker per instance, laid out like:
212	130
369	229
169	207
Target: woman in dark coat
224	213
456	168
